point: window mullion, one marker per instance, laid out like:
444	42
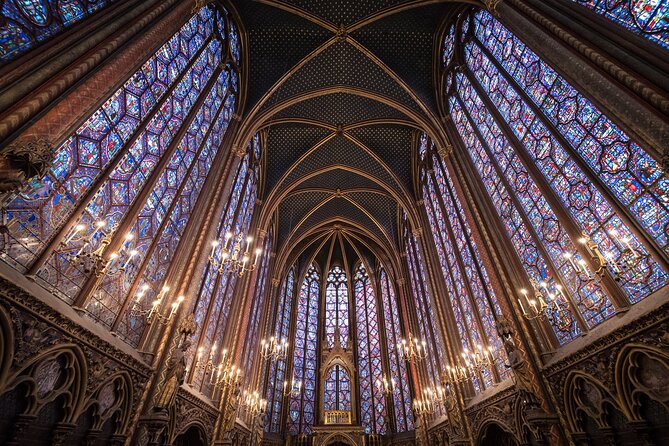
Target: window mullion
85	198
166	220
575	312
622	211
573	228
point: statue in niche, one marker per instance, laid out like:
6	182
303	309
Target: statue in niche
176	368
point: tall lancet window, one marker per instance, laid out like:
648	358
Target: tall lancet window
336	306
648	18
257	306
337	395
561	176
398	369
27	23
302	407
217	285
370	367
425	311
101	229
278	373
470	294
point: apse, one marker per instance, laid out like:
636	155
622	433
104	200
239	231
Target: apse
313	223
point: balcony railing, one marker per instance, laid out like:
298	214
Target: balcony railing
337	417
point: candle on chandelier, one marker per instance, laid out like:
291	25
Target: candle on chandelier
113	257
132	254
523	291
249	239
77	229
626	241
214	245
570	258
99	225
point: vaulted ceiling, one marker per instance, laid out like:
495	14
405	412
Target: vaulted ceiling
340	89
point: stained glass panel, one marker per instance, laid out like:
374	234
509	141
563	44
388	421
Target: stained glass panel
27	23
649	18
336	306
370	370
470	291
398	369
40	210
302	407
627	170
278	374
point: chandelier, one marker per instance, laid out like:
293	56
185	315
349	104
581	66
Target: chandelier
274	349
253	404
548	302
385	386
155	312
92	260
294	390
471	363
411	349
233	254
602	260
224	374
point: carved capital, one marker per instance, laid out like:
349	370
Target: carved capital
401	281
276	282
445	152
199	4
418	232
23	160
238	151
492	6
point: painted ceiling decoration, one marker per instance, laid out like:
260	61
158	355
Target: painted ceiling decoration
340	93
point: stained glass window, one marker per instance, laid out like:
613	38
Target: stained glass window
337	394
557	170
217	285
425	312
370	367
302	409
471	296
277	369
26	23
336	306
104	140
398	368
649	18
129	177
257	307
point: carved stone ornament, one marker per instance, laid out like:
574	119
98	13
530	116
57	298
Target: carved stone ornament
492	5
23	160
174	377
444	152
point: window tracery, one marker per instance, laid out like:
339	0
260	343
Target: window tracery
302	408
27	23
336	307
370	366
471	296
398	367
138	163
215	290
278	373
556	168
